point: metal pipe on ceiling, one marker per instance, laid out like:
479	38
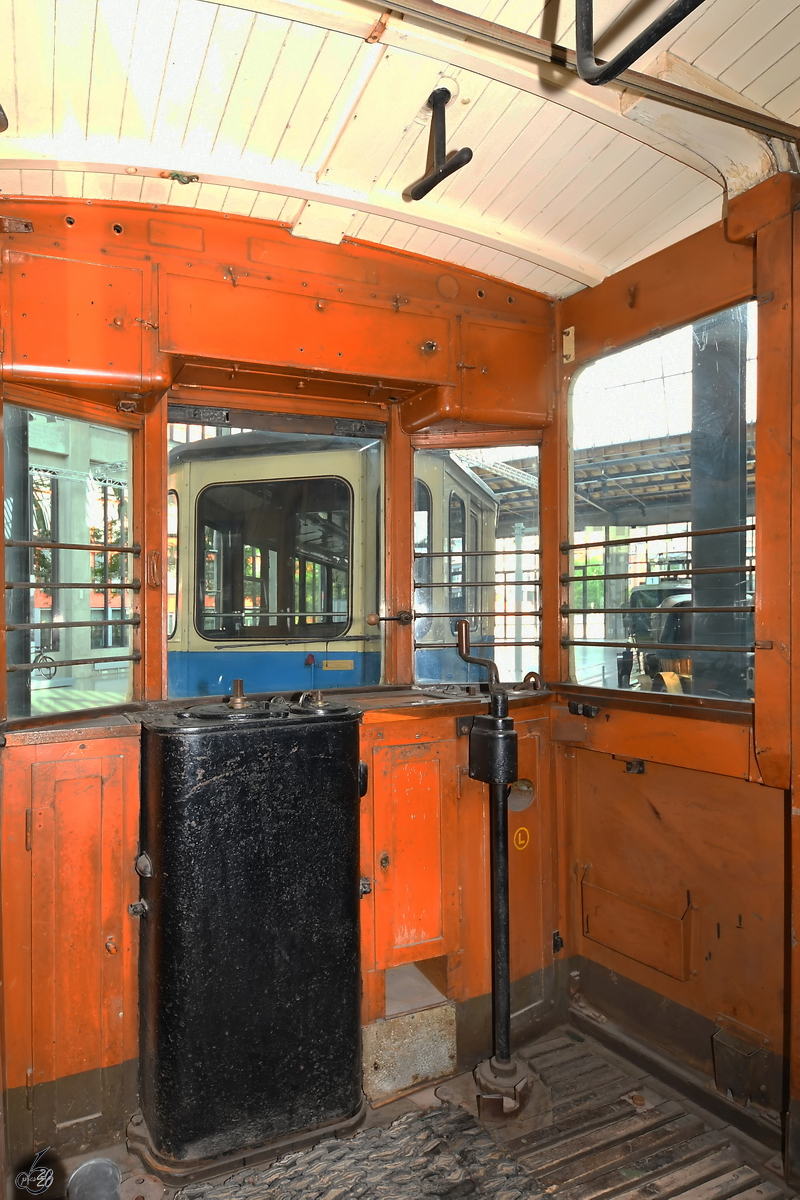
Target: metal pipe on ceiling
594	72
540	50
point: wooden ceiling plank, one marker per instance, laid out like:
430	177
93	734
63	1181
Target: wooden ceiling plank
155	25
763	53
737	37
537	169
634	200
96	186
523	148
240	201
775	79
707	214
223	57
113	44
287	81
259	58
34	59
65	183
190	37
320	92
72	67
396	93
156	191
125	187
598	179
686	206
349	93
570	181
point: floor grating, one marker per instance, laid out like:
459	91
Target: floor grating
605	1130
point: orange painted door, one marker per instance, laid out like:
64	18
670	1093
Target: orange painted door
82	942
416	853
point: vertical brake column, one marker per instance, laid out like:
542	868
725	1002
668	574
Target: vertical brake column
493	760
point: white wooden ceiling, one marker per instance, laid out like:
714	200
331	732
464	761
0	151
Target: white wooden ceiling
286	111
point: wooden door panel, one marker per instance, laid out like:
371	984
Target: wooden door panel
77	936
415	853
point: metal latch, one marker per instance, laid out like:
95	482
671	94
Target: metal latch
16	225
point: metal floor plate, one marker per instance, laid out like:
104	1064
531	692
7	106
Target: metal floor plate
607	1132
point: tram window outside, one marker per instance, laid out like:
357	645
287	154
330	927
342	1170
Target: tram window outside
70	564
275	558
661	557
476	555
172	563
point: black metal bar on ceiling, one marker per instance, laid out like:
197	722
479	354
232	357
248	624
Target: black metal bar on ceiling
594	72
442	165
539	50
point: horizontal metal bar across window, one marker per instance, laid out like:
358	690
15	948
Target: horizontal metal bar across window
498	615
58	625
720	608
42	585
102	548
679	650
72	662
457	584
654	537
680	573
309	614
483	645
499	553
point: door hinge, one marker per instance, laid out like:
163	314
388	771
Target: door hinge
29	1088
558	942
568	345
28	828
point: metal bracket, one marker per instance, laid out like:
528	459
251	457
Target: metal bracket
442	165
583	710
590	70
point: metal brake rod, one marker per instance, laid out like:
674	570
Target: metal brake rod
543	51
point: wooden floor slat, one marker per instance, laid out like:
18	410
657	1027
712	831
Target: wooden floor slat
583	1144
666	1160
672	1183
630	1150
723	1186
595	1144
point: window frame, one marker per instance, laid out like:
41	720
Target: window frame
320	633
145	483
724	708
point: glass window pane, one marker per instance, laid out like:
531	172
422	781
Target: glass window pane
663	440
67	485
283	532
476	523
300	527
172	563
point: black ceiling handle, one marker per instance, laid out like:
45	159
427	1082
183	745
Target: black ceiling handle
590	70
442	165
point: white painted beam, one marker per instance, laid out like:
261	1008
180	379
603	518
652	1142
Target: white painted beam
284	179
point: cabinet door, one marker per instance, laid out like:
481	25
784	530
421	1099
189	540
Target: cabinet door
82	943
416	853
